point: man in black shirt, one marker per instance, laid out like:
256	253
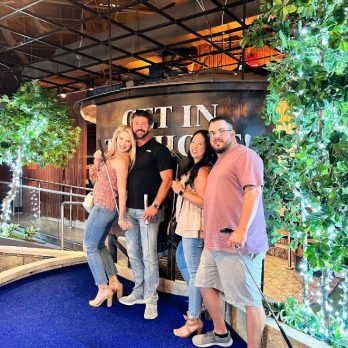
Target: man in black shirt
149	182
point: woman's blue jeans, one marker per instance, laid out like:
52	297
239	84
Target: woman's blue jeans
99	259
193	248
181	262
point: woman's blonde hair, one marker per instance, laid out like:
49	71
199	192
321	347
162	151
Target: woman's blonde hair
113	150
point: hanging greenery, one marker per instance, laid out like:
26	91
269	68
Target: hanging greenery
306	156
34	128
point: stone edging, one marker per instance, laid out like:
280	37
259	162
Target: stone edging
54	259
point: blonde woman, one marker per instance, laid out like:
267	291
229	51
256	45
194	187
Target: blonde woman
119	160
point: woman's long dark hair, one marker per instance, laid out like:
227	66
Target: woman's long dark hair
208	160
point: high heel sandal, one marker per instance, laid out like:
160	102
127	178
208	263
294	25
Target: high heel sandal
97	302
191	326
118	289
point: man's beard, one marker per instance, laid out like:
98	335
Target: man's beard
138	137
220	150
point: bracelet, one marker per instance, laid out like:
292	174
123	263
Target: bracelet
181	193
155	205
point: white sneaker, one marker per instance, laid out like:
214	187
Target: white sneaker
150	311
210	339
131	299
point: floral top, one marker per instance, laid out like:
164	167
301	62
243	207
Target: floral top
103	196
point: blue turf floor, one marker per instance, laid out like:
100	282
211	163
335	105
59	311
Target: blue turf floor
51	310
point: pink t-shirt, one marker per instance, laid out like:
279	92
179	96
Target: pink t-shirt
223	199
103	196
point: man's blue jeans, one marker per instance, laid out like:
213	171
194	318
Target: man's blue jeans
193	248
99	259
142	252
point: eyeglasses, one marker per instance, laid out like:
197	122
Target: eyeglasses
218	133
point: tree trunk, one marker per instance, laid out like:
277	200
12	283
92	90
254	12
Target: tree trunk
16	168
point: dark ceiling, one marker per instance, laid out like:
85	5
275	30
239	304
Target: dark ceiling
72	45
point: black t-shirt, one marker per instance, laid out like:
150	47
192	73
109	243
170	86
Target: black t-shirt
144	178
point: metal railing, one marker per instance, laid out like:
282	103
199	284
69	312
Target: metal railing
57	183
63	193
62	205
39	181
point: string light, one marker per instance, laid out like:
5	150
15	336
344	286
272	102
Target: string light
16	168
330	315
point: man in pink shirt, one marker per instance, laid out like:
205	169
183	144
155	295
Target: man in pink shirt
233	199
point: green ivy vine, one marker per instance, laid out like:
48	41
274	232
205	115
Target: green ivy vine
306	155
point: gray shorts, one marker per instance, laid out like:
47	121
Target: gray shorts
225	272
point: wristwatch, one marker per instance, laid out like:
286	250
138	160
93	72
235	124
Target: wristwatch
181	193
155	205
